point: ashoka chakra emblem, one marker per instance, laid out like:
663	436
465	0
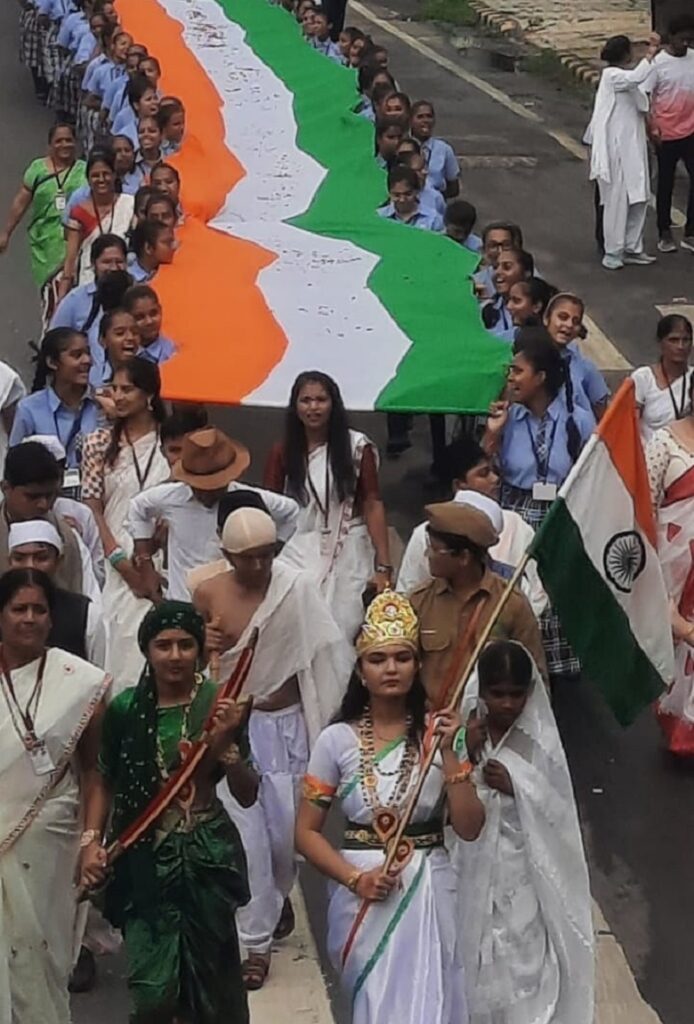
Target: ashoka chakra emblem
624	559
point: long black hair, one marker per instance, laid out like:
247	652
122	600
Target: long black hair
12	581
504	661
339	443
53	344
538	348
357	699
143	375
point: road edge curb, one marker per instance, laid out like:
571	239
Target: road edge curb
507	25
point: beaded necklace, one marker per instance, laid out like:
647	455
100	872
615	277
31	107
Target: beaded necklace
161	759
368	769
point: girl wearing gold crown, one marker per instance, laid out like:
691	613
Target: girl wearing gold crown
402	962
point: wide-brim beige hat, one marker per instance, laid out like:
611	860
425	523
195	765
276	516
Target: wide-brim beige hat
210	460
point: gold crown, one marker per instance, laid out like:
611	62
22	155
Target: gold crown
390	619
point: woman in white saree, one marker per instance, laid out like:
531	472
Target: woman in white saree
402	962
525	910
117	464
670	459
49	739
341	536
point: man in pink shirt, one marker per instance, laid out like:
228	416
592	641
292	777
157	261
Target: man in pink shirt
672	125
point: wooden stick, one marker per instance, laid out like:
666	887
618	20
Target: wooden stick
429	759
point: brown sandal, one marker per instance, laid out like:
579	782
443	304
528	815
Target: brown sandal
287	921
254	971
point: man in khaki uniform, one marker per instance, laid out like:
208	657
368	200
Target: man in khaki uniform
455	607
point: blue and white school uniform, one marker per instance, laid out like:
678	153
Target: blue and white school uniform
327	47
43	412
535	461
585	377
497	319
428	220
441	161
137	271
431	199
74	310
125	123
159	351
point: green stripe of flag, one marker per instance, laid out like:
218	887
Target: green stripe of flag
453	364
595	623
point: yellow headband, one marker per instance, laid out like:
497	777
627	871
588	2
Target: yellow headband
390	619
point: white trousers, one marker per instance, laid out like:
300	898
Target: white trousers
279	747
623	222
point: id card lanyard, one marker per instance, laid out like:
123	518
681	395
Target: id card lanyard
542	491
24	719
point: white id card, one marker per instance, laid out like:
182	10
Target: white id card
60	202
71	478
325	537
41	760
544	492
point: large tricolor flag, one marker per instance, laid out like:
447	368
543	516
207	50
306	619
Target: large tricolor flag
284	264
596	553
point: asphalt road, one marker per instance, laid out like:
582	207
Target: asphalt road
635	803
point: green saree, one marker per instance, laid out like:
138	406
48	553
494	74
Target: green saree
182	946
49	194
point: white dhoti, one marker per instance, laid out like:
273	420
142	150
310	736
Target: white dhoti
279	748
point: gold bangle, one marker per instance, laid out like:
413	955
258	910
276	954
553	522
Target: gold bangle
353	881
231	756
463	775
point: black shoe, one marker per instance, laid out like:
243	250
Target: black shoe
83	975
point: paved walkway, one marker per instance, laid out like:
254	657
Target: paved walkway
576	26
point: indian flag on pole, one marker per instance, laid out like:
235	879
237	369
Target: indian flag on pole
284	264
596	553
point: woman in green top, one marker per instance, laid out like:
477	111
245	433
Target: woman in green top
175	892
45	190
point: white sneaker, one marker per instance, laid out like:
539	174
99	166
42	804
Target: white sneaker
687	243
612	262
640	259
666	244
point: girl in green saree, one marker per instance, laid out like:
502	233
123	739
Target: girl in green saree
175	892
45	190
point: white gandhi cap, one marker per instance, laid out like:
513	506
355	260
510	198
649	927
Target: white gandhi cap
35	531
490	508
246	529
49	441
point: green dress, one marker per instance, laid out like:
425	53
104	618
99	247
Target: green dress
49	195
185	959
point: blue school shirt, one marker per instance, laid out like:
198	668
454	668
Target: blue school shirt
431	199
441	161
92	71
75	308
114	95
125	123
474	243
71	30
517	458
137	271
105	75
132	181
484	277
44	413
169	147
327	47
85	48
159	351
59	9
366	109
503	327
78	196
429	220
585	373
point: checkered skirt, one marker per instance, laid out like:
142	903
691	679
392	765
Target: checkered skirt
561	660
50	51
29	38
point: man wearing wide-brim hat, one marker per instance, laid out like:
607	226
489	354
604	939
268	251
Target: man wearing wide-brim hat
455	606
210	465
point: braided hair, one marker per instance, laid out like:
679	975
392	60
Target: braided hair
538	348
53	344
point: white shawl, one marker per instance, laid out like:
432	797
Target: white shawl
298	636
533	754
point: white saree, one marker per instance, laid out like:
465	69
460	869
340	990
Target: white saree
122	610
405	963
524	896
39	841
336	548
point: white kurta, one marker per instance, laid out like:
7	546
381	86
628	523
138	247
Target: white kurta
619	157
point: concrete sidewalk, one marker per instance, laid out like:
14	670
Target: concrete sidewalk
569	27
